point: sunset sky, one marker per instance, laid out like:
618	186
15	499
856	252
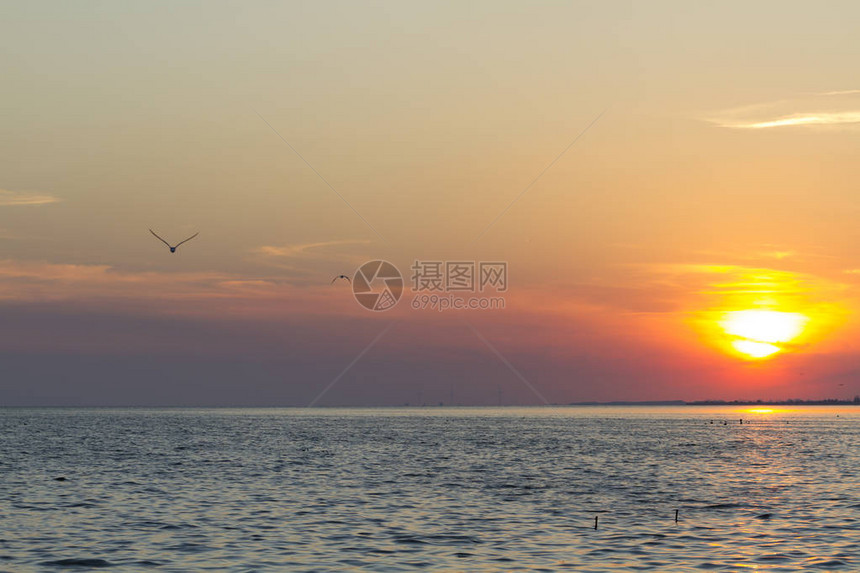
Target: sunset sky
700	240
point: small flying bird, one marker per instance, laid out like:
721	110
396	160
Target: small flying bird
341	277
173	248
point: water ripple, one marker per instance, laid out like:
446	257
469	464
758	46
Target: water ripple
387	490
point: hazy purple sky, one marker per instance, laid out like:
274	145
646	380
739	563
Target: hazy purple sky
699	240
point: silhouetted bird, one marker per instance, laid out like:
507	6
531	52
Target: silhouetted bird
173	249
341	277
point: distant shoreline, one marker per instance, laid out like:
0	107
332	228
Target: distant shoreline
618	403
825	402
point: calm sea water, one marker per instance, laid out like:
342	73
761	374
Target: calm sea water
434	489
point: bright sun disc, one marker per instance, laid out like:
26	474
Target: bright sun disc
764	325
754	349
758	333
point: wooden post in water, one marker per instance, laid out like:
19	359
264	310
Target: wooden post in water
676	516
595	523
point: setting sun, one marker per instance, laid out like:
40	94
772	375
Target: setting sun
755	349
758	333
756	314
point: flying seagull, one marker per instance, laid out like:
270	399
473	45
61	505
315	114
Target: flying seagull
173	249
341	277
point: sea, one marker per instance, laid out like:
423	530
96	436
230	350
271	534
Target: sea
433	489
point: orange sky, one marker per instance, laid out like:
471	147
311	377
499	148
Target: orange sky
720	177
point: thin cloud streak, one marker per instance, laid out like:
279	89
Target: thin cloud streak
840	92
290	251
823	109
839	118
18	199
305	262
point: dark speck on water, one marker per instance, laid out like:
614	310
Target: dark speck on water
447	489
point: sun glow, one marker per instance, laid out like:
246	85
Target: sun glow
754	349
762	333
764	325
758	314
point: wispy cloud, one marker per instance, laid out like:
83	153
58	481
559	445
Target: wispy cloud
18	199
742	282
310	263
800	120
840	93
826	109
303	249
202	294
